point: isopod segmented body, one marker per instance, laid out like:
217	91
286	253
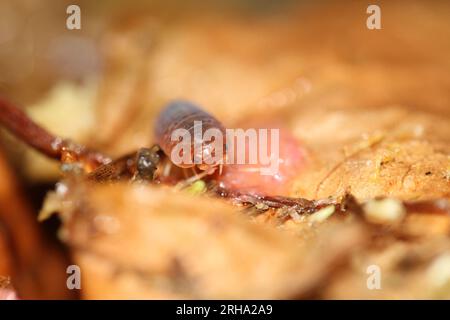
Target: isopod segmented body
187	116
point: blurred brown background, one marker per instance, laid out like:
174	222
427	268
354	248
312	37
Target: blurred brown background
409	56
257	57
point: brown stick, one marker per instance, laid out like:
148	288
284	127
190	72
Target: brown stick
19	124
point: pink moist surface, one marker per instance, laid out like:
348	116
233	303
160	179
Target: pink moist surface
248	178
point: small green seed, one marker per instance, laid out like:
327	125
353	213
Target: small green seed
198	187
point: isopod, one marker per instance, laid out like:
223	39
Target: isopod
185	115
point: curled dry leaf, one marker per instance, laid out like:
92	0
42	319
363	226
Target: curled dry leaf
148	242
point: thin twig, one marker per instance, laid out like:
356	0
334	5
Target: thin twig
24	128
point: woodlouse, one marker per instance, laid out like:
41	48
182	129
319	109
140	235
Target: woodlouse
185	115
